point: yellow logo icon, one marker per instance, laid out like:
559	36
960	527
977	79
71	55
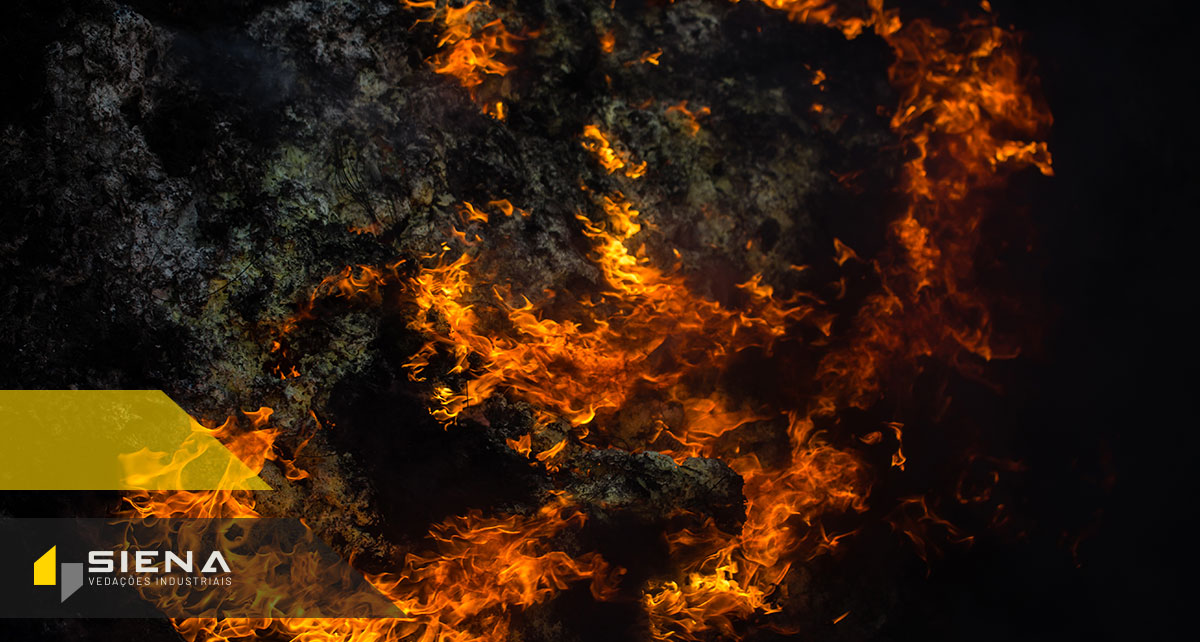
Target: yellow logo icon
45	573
45	570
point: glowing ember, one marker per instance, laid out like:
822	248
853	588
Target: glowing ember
608	41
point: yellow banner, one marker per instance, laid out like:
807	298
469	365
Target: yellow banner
110	440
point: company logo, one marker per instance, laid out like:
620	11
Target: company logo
177	567
45	573
135	568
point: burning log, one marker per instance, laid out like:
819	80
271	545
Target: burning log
650	486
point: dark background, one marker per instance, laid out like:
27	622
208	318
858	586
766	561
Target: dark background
1098	413
1103	418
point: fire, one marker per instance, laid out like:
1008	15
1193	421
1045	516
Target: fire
968	114
352	283
648	58
825	12
958	92
738	579
470	213
253	448
612	160
608	41
585	374
471	46
374	229
690	123
578	369
483	563
459	590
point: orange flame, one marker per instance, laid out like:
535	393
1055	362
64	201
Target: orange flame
958	91
597	143
352	283
608	41
690	117
648	58
965	108
581	369
460	590
469	47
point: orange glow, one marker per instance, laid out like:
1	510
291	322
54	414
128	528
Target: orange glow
898	457
469	49
507	208
581	368
690	123
496	110
608	41
650	57
612	160
470	213
522	445
957	91
844	253
352	283
547	456
825	12
374	229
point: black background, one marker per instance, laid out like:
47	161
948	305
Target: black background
1108	395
